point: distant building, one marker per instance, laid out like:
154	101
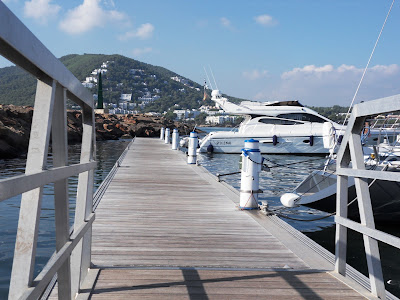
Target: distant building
126	97
218	120
186	114
180	79
88	84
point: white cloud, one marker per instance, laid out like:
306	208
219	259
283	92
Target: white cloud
308	70
254	74
141	51
41	10
265	20
225	22
87	16
328	85
145	31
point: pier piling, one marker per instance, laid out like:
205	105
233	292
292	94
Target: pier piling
192	155
251	168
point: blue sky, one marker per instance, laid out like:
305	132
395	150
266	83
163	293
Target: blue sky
311	50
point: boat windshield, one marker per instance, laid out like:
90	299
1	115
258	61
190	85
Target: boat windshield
302	117
278	121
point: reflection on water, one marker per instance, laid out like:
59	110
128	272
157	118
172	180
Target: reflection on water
107	153
284	179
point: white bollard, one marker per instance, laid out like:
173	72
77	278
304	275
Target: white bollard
167	131
251	168
175	139
192	148
162	132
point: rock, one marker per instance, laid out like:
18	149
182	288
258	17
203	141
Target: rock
15	124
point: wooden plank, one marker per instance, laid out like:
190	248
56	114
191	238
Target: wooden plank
211	284
159	213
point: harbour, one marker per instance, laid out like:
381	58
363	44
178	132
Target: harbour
277	181
161	225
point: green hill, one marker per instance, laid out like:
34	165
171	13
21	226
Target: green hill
17	87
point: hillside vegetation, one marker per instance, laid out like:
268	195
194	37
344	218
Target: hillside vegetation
18	88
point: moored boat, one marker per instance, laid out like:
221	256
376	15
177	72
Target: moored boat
282	127
318	190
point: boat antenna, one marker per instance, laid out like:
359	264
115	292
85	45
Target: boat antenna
362	77
213	77
208	79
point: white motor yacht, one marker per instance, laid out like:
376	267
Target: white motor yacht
282	127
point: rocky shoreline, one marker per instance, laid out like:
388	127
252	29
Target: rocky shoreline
15	124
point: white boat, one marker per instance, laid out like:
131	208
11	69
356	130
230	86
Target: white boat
282	127
318	190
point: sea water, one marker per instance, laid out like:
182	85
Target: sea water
106	155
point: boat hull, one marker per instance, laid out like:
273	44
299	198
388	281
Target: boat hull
385	196
234	143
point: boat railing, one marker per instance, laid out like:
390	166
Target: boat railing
351	151
55	84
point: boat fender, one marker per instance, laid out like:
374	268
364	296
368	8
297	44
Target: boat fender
274	140
210	148
311	140
289	199
340	139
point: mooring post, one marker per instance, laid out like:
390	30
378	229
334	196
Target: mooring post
162	132
193	141
167	134
175	139
251	168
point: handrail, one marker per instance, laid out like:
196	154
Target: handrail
55	84
351	151
10	187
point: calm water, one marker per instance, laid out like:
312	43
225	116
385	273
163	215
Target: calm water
107	154
285	179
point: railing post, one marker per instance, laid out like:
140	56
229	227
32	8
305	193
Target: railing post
28	224
366	213
81	256
61	198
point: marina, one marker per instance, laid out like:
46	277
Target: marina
160	225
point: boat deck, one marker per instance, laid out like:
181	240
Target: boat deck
168	230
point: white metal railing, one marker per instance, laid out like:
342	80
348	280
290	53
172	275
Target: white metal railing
55	84
351	151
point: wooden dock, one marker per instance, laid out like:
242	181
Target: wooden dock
168	230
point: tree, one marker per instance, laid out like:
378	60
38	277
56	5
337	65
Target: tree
201	118
170	115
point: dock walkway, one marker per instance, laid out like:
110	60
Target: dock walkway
168	230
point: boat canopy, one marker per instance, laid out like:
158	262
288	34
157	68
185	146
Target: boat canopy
273	103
